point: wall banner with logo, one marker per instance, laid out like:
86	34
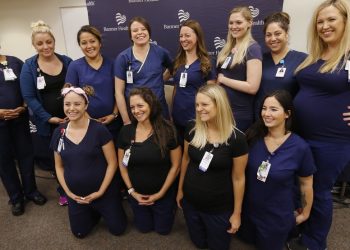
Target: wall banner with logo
111	17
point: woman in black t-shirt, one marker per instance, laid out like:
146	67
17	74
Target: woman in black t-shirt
212	175
149	159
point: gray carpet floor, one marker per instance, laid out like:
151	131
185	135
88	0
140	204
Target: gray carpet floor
47	227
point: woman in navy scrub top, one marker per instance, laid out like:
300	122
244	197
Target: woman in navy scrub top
15	140
192	69
276	157
239	66
86	162
280	62
42	78
321	102
97	71
212	177
142	65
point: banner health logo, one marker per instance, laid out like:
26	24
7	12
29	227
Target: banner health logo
90	3
218	44
153	42
183	16
255	12
120	19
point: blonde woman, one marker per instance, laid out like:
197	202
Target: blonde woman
212	178
239	66
42	78
323	97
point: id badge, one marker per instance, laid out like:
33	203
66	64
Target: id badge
126	157
183	80
226	62
9	75
40	82
129	77
347	65
205	162
281	71
60	145
263	171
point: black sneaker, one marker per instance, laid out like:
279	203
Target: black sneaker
296	244
17	209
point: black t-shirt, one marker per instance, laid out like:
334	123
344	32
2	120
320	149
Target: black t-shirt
212	191
51	94
147	168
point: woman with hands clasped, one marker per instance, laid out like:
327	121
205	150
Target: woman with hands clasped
276	157
149	159
86	163
212	178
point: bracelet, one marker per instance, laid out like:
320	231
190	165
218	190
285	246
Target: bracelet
131	190
115	114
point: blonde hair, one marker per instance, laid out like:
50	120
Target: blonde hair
316	46
231	42
224	120
40	27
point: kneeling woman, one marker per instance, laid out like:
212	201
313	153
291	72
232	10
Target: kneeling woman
212	176
277	157
86	162
149	160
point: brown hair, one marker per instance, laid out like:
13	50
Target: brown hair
89	29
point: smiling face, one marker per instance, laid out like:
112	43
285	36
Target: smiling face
139	33
238	25
276	38
330	25
74	106
273	114
89	45
188	39
140	109
205	108
44	44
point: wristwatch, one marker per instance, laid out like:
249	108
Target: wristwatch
115	115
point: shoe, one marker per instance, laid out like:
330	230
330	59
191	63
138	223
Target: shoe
63	201
17	208
296	244
38	199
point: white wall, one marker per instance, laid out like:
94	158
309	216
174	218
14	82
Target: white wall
16	16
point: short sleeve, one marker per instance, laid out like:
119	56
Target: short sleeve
173	142
120	66
238	144
254	52
167	61
72	75
124	137
307	165
104	136
189	134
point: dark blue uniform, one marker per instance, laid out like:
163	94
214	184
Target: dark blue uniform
320	104
269	81
84	170
268	206
15	141
242	104
148	74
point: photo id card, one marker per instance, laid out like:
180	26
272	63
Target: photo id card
226	62
9	75
129	77
205	162
126	157
281	71
183	80
40	82
263	171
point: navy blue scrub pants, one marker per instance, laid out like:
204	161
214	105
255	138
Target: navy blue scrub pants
207	230
158	217
15	142
83	217
329	159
